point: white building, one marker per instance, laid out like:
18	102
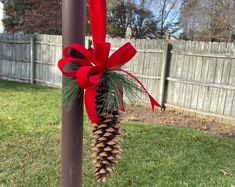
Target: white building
1	16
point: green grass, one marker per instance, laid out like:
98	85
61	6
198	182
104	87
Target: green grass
153	155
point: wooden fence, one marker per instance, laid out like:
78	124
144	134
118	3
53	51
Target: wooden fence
197	77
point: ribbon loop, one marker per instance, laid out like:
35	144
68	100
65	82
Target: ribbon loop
83	77
88	76
64	61
123	55
79	48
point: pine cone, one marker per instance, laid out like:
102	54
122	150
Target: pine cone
105	138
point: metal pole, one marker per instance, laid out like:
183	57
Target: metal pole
73	31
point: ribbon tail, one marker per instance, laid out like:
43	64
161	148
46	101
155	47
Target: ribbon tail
90	104
152	100
121	102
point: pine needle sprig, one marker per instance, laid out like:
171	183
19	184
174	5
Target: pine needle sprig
71	92
118	84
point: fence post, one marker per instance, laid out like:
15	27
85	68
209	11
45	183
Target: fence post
163	75
32	55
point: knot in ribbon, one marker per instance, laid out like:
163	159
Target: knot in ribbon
96	61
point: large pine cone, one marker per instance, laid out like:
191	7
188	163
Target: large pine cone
105	136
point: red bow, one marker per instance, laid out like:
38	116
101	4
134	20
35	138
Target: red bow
96	61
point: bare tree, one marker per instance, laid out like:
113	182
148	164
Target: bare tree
208	20
128	15
167	13
168	18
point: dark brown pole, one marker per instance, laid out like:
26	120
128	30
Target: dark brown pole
73	30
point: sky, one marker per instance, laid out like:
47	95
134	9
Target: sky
174	14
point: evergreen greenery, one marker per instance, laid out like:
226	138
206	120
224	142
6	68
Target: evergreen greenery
117	83
120	84
71	92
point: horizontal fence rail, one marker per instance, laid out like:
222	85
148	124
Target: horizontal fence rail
193	76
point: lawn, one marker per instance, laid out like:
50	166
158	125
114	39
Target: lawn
30	130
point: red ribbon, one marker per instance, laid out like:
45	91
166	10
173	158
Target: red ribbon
96	61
